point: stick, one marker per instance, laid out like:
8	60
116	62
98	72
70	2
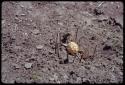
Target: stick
100	4
76	34
57	45
94	51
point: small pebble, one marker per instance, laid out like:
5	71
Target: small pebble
58	81
78	79
22	6
3	22
4	58
28	65
36	31
65	76
55	77
51	78
121	73
60	23
23	14
39	46
16	65
84	80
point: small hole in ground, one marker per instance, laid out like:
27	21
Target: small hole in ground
71	73
106	47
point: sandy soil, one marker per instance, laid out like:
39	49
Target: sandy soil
29	33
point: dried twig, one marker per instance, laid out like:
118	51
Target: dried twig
76	33
57	44
94	51
100	4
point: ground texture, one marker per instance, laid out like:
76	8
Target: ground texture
29	32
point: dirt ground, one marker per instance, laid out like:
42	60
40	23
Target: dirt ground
29	33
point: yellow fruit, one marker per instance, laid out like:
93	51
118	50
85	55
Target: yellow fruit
72	48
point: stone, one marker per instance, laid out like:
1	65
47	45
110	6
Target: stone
28	65
35	31
39	46
55	77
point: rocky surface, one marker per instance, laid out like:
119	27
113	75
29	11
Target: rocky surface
29	32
